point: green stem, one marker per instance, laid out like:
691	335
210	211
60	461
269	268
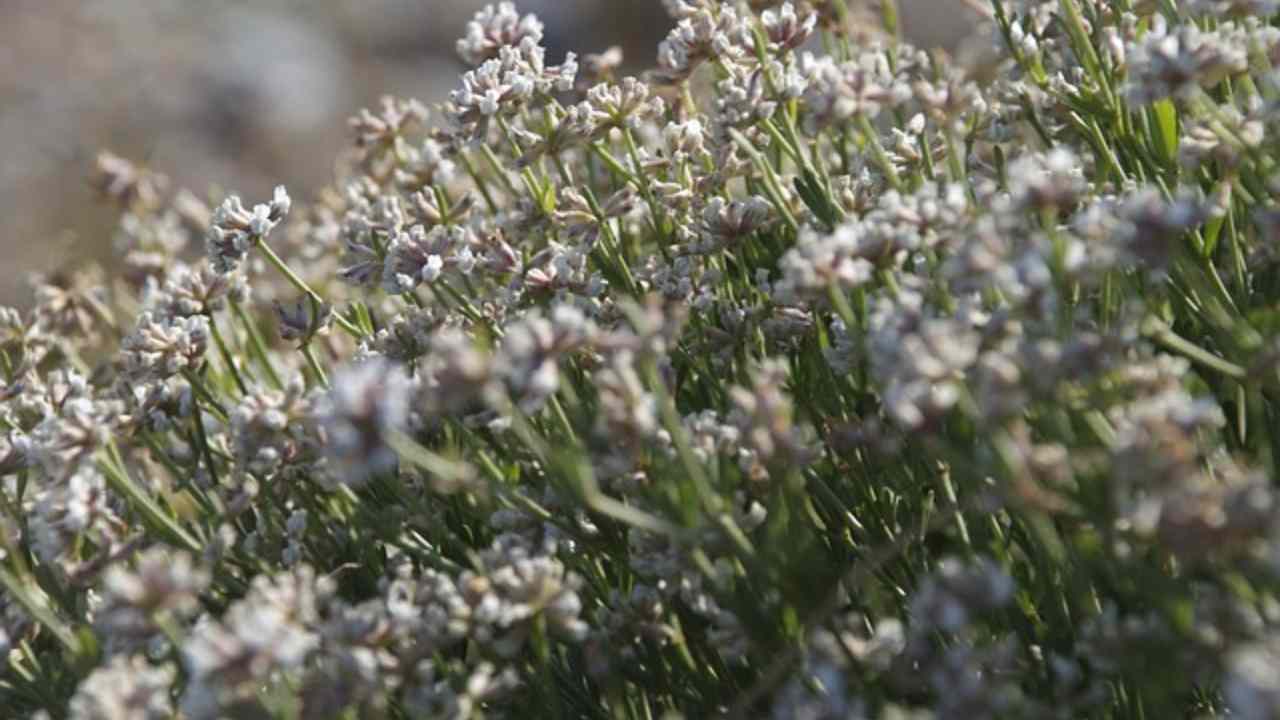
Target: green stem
181	477
301	286
113	468
1165	336
467	307
872	137
499	170
227	358
772	185
256	345
40	611
479	182
618	169
310	354
646	188
202	391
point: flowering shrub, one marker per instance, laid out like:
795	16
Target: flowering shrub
853	383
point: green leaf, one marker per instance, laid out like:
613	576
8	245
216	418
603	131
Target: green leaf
1165	129
1212	231
811	192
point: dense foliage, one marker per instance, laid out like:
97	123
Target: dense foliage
810	375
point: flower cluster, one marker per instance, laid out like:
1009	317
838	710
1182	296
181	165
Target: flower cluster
234	229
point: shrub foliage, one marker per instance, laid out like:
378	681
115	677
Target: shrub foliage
809	374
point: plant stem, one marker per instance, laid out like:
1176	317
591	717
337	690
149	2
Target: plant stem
256	346
310	354
227	358
301	286
113	468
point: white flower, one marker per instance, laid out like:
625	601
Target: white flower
234	229
494	28
367	402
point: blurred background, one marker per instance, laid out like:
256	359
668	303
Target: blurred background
240	95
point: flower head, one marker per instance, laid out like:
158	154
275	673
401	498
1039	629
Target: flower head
235	229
